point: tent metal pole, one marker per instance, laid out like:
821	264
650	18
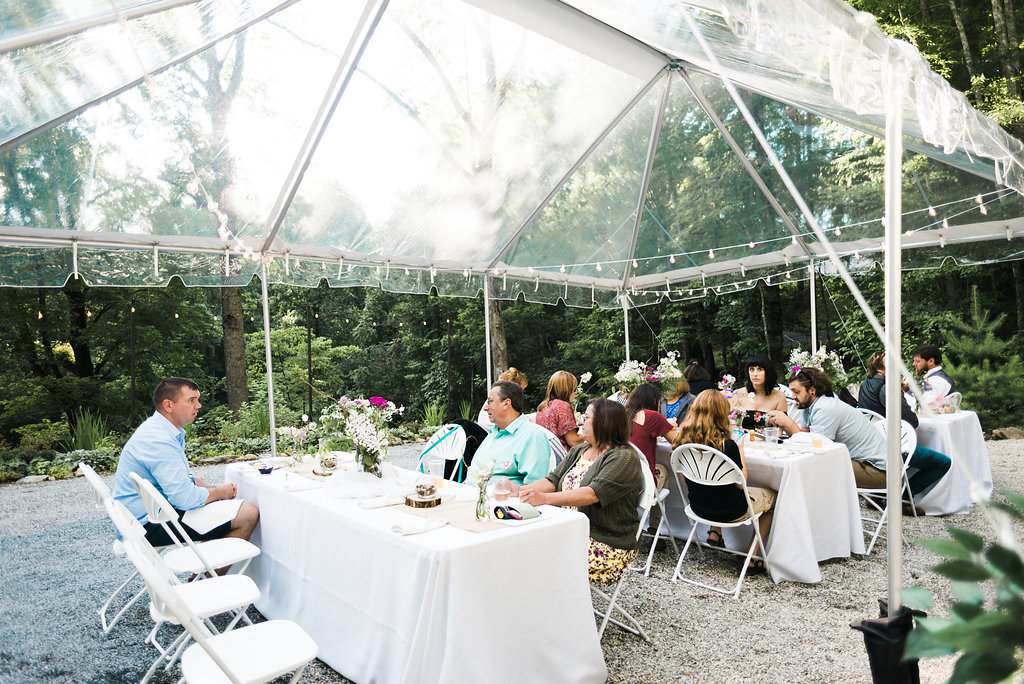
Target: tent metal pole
625	321
814	309
266	344
487	329
893	303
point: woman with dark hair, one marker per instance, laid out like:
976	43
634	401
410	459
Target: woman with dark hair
646	423
602	477
760	394
556	413
698	377
707	422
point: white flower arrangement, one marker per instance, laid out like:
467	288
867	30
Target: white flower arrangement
727	382
585	378
634	373
827	362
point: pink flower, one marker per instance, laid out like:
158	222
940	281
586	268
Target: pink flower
379	402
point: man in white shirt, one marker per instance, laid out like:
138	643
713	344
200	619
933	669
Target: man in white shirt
928	362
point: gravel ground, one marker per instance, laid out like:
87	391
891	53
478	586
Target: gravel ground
56	569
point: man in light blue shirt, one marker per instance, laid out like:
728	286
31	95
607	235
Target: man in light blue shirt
519	449
818	410
156	452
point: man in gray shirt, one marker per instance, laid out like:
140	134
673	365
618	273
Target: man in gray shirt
819	410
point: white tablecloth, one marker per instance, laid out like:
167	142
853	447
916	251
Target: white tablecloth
957	435
508	605
817	514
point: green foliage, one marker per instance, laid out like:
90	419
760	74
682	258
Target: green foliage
46	435
983	367
988	638
87	431
466	410
433	414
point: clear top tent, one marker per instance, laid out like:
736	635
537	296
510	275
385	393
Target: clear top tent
580	150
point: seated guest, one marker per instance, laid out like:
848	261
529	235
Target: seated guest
646	424
930	465
760	394
707	422
601	477
820	411
928	362
512	375
518	448
156	452
674	404
556	413
698	377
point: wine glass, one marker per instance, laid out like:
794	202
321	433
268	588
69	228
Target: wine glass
502	489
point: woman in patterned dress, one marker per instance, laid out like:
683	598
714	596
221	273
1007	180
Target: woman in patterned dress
601	477
556	413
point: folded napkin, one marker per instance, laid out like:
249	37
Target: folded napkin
294	482
418	525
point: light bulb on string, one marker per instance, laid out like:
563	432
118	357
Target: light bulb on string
983	209
133	309
839	231
561	268
635	265
711	254
40	315
599	266
175	314
750	244
252	318
88	314
945	223
794	240
672	259
931	210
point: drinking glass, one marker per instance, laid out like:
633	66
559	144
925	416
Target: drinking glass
502	489
436	469
771	435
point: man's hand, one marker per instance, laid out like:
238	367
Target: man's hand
222	491
782	420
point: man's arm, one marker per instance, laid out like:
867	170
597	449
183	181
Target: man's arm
536	457
167	465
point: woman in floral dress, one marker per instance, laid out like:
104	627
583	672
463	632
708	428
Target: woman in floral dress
601	477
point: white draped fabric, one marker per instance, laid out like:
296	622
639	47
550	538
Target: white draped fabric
817	515
959	436
508	605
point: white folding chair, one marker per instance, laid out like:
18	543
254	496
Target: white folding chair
558	451
662	493
705	465
232	594
102	494
253	654
190	557
955	399
648	495
876	499
449	443
871	415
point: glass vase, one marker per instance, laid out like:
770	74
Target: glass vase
481	503
369	461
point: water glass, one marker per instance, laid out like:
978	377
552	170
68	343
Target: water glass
502	489
771	435
435	467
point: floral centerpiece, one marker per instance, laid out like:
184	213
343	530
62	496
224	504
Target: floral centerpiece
301	436
364	422
480	474
827	362
632	374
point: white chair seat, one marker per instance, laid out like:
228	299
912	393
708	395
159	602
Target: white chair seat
219	552
254	654
212	597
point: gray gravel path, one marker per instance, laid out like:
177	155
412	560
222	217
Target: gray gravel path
56	569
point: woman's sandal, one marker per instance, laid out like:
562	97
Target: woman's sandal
719	543
756	567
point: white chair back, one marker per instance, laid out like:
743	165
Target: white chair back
99	487
871	415
649	495
160	511
706	465
449	443
908	439
558	451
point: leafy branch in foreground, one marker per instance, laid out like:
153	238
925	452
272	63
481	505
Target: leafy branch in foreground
987	638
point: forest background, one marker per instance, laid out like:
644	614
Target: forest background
68	370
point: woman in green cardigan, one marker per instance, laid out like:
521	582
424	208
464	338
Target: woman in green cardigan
601	477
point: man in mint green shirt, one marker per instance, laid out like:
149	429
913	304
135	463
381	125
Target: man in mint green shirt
518	448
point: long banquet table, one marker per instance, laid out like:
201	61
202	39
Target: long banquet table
817	513
448	605
959	436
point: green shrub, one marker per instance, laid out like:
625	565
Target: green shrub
103	458
466	411
989	639
47	435
433	413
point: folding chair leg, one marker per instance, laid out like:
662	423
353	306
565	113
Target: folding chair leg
606	616
107	626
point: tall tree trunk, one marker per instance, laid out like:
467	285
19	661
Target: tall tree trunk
1018	288
499	345
234	347
1006	51
77	334
964	45
926	12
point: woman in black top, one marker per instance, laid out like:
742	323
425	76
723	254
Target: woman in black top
707	422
